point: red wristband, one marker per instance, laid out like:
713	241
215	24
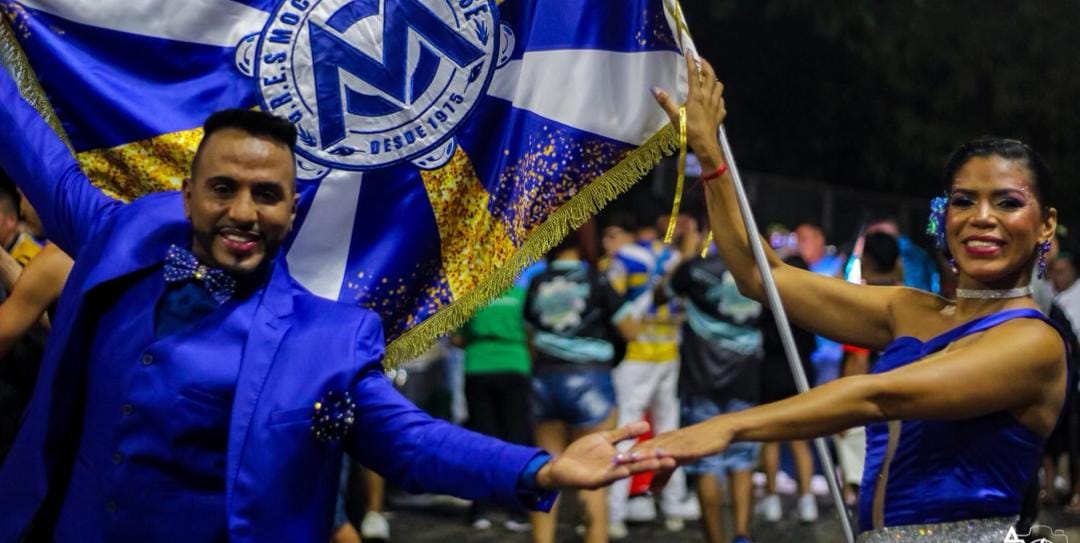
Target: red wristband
715	173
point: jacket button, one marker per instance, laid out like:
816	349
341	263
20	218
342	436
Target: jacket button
147	359
117	458
127	409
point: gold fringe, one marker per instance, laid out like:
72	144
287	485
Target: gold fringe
569	217
14	60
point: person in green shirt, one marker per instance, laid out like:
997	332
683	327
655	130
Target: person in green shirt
498	387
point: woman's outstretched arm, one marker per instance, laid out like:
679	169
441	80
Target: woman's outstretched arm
1017	367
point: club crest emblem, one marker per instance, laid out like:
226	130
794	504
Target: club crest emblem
371	83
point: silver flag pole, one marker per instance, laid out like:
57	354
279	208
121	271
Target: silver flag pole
782	324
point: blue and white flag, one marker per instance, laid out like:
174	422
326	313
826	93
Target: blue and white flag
444	144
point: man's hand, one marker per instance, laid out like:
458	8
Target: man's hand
685	446
592	461
704	107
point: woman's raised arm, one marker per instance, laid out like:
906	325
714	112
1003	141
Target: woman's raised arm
827	306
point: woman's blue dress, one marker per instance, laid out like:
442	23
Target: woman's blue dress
943	471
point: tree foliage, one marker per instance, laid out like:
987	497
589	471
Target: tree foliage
876	94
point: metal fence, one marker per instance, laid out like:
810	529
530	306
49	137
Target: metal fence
839	211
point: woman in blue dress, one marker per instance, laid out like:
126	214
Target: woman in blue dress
966	391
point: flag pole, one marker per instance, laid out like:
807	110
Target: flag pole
784	327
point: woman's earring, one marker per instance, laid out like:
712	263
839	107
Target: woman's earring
1043	249
952	266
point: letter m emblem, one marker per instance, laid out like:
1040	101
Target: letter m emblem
389	74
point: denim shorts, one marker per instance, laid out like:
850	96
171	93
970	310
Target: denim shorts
741	456
578	398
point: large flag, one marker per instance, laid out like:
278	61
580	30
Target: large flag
444	144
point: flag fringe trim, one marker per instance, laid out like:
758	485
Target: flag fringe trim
569	217
14	60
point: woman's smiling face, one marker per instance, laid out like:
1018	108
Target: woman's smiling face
995	222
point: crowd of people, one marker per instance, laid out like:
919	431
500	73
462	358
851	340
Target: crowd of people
169	339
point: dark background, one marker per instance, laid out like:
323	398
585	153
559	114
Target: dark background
874	95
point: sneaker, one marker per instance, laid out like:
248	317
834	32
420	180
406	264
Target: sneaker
688	509
375	526
741	539
785	484
517	524
481	523
807	508
641	509
770	509
617	530
674	524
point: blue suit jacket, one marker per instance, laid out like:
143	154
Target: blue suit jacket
280	482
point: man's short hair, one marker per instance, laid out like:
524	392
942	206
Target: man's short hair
256	123
881	251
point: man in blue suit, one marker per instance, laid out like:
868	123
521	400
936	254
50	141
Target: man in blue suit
192	391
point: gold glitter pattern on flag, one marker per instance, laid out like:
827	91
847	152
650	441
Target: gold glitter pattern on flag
584	203
414	297
473	242
555	166
135	169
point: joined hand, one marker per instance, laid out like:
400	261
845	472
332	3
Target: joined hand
685	446
593	462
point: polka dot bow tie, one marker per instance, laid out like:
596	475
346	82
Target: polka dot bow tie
181	265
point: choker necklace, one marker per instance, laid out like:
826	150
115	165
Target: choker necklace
990	294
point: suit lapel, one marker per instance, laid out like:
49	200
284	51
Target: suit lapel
264	339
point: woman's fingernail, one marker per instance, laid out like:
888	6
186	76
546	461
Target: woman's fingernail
656	91
618	458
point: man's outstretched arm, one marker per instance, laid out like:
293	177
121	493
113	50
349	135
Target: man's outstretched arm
423	454
39	162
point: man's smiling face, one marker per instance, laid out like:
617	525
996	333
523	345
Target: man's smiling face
241	200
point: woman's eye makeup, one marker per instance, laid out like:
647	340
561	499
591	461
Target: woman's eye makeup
960	200
1009	200
1010	203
